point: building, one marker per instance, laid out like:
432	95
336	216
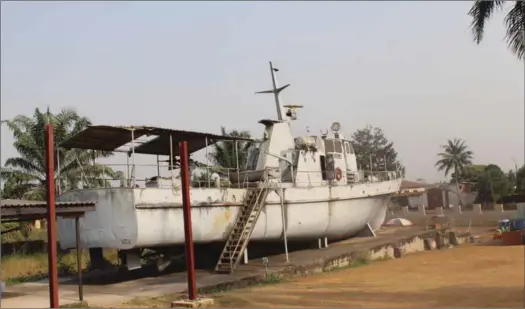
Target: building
416	194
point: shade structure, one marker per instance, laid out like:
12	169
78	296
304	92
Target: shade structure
398	222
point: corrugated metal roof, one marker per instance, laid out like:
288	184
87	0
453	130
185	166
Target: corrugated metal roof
109	138
41	204
407	184
25	210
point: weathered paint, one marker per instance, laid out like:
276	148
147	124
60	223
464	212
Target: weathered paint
129	218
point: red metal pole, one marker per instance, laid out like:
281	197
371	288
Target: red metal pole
51	218
186	208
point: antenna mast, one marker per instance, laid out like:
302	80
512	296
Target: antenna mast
276	91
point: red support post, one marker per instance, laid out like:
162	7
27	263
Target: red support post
186	208
51	218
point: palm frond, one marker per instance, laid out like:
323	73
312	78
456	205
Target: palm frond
455	156
515	22
29	167
481	11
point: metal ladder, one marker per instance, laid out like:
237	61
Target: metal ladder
242	229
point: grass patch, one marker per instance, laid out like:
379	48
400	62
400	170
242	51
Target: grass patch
363	258
18	268
154	302
23	234
272	278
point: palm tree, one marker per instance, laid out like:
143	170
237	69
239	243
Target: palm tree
455	156
225	157
481	12
26	173
224	153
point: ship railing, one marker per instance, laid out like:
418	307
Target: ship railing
156	176
140	176
113	175
320	178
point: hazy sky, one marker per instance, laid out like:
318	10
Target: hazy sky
410	68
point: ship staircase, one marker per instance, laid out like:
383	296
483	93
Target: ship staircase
243	227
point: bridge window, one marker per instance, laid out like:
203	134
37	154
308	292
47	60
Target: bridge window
348	148
338	146
333	145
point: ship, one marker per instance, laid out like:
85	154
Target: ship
291	188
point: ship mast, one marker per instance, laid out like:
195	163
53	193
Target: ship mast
276	91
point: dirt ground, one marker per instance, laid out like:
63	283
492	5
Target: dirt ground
470	276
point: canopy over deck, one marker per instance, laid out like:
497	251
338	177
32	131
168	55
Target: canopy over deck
109	138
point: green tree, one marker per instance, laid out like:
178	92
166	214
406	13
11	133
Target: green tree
511	176
371	144
470	174
25	174
454	157
224	152
520	181
16	186
482	11
492	184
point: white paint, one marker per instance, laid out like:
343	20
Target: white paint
133	218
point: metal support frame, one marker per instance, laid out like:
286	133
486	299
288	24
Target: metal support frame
207	163
237	163
51	218
171	164
158	169
246	256
79	260
186	207
133	158
128	176
285	226
59	187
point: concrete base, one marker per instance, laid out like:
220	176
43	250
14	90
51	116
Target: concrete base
198	303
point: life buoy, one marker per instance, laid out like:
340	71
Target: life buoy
338	174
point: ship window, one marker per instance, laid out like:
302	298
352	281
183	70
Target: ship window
295	157
338	146
333	146
348	148
253	157
323	167
329	145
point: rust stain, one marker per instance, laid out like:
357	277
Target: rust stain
221	220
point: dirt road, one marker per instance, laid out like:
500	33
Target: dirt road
471	276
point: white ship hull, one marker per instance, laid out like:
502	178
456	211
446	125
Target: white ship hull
128	218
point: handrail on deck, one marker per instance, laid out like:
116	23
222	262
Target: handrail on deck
313	178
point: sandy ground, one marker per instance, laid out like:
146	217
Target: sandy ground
470	276
475	276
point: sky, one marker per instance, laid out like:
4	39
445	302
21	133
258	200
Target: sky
410	68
